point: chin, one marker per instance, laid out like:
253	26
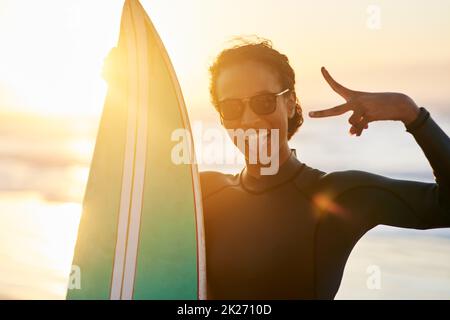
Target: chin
267	154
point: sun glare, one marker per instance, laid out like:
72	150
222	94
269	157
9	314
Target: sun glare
52	62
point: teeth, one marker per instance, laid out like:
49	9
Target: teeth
255	136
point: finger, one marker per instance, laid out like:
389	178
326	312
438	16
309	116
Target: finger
355	121
113	65
356	117
337	87
356	130
335	111
363	125
359	127
108	63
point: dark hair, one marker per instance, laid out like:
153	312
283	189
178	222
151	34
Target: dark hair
259	51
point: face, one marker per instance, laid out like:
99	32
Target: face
249	79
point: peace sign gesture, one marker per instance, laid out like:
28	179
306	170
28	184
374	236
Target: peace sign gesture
368	106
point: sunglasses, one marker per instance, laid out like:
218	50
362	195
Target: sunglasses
266	103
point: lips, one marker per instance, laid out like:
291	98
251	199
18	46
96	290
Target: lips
261	135
253	142
256	143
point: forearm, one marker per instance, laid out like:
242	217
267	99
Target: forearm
435	144
403	203
430	202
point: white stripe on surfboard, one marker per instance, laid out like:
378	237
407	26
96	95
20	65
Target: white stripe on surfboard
201	253
141	153
127	179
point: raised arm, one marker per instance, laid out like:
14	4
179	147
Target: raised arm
377	199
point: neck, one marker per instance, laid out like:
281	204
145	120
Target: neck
254	169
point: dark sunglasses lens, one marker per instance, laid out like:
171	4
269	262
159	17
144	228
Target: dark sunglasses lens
264	104
231	109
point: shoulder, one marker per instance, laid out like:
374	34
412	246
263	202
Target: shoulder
349	193
351	178
213	182
338	182
308	177
307	180
313	180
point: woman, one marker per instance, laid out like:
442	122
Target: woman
288	235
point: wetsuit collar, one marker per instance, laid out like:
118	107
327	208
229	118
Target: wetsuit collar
288	170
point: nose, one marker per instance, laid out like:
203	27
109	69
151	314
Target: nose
249	118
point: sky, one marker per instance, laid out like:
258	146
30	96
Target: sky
51	51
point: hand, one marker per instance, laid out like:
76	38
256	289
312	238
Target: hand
368	106
113	65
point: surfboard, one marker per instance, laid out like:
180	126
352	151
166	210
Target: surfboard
141	232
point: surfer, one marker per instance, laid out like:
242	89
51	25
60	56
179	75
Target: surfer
288	235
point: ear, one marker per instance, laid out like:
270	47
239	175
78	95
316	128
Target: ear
291	104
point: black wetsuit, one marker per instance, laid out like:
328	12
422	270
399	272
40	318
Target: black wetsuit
288	236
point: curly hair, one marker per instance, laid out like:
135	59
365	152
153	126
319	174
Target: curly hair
263	52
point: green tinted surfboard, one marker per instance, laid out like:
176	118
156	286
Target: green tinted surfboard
141	231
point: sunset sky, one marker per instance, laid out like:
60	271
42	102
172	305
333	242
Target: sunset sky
52	51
